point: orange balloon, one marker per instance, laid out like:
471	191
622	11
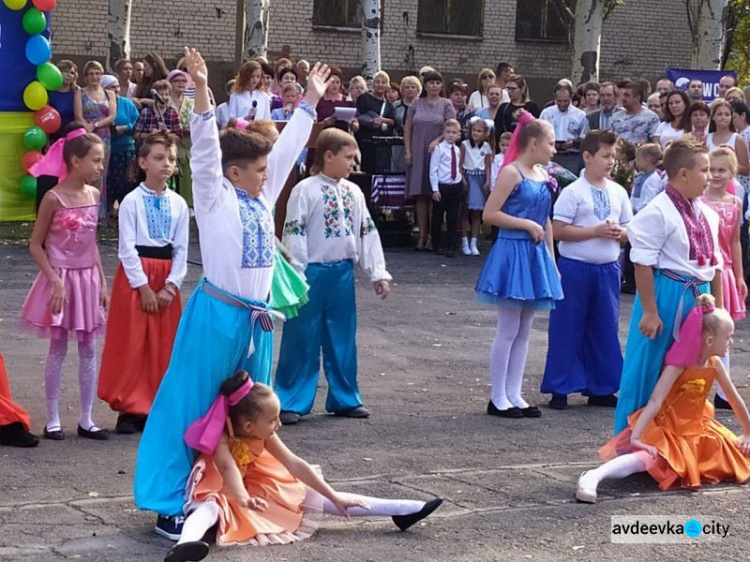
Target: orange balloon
48	119
30	158
44	5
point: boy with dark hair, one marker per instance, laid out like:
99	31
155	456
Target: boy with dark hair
675	250
226	326
589	219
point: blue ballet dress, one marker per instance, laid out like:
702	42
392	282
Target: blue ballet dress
519	272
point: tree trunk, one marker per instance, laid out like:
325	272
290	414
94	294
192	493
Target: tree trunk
370	38
256	28
709	34
587	35
118	31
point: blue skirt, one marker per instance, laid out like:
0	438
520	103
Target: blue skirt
212	343
475	198
519	273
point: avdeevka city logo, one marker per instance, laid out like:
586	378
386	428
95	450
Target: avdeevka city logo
664	529
693	528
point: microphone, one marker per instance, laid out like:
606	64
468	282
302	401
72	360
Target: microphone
155	95
253	111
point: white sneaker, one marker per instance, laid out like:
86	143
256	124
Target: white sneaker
474	251
465	250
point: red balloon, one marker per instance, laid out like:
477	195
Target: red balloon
48	119
30	158
45	5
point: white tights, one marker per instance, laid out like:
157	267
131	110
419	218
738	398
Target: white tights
719	391
619	467
508	356
207	513
87	377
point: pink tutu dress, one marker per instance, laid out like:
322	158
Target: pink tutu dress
71	250
729	222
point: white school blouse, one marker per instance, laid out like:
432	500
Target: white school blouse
241	104
327	221
582	204
236	230
148	219
659	239
474	155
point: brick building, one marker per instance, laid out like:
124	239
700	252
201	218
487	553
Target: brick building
640	39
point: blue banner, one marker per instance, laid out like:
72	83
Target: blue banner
15	68
710	79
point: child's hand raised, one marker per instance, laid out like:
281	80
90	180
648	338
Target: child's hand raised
196	66
317	83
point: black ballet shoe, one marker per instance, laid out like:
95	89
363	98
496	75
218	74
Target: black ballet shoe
95	434
531	412
609	401
187	552
403	522
513	413
15	435
125	424
721	404
558	402
54	434
140	422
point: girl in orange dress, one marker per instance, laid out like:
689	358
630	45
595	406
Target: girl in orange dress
256	489
14	421
675	437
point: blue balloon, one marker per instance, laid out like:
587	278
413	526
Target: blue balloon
38	49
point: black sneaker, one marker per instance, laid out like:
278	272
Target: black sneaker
721	404
357	412
187	552
609	401
125	424
140	422
15	435
289	418
169	527
403	522
558	402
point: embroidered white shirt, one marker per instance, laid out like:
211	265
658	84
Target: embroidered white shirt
327	221
236	230
659	239
582	204
148	219
441	168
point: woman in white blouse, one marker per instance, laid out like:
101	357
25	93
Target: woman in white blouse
478	99
676	119
248	99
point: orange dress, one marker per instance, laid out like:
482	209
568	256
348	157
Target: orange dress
288	518
10	412
693	447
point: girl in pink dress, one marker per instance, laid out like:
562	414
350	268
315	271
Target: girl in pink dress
720	198
69	295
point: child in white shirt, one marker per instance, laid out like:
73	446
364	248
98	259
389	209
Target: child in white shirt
447	185
476	159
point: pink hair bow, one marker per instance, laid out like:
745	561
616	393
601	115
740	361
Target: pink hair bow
53	163
204	433
686	350
241	123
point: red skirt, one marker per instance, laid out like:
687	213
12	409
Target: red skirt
138	345
9	411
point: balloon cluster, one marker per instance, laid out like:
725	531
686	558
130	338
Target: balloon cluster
48	78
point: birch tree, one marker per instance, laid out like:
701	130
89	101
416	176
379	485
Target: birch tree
118	31
586	17
370	38
256	28
707	20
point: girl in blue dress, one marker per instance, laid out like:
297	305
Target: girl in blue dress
520	275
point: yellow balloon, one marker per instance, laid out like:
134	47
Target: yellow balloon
14	4
35	96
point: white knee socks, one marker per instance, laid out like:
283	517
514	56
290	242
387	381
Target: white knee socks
508	356
58	348
378	507
619	467
87	377
199	521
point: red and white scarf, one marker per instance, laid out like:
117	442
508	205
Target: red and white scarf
698	231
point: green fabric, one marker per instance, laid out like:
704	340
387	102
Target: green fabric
289	291
13	205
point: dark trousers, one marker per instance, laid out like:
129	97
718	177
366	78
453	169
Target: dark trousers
450	206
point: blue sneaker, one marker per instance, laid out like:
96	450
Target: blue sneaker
170	527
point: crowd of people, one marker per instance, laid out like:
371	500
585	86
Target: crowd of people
606	189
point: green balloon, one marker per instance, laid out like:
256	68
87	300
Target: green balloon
28	187
50	76
34	138
34	21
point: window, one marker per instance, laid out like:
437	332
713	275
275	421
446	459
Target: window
452	17
540	20
336	13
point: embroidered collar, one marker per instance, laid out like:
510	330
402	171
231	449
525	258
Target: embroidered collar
328	179
696	225
153	193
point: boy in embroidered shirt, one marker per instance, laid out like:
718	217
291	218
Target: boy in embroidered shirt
589	219
675	250
328	229
447	187
226	324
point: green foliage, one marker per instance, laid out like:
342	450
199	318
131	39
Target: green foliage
737	54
